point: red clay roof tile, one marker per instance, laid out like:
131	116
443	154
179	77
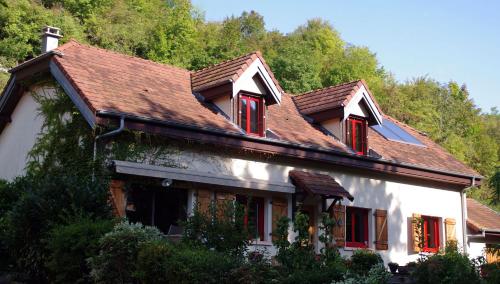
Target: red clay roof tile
481	216
318	184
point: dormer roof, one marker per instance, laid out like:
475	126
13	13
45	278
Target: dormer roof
230	71
334	101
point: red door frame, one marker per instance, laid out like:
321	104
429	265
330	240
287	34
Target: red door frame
259	103
353	121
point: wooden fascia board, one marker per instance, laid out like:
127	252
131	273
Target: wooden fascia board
290	151
75	97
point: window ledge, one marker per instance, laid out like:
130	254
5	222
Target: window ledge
356	248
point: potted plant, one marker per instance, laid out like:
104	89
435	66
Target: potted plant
393	267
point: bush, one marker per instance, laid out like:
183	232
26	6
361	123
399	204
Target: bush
362	261
161	262
43	203
71	245
118	250
376	275
450	267
222	229
491	272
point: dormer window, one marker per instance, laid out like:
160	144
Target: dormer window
356	136
252	114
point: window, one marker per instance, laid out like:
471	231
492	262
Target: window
155	206
431	234
254	215
356	135
356	225
251	115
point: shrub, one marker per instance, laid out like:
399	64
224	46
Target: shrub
161	262
299	260
362	261
43	203
222	229
450	267
376	275
71	245
491	272
118	251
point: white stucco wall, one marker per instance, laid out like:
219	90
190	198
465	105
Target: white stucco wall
399	199
334	126
224	104
476	249
19	136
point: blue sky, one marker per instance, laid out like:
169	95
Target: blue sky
446	40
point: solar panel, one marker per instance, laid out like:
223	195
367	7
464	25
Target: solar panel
393	132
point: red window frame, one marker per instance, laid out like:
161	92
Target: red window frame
260	117
352	211
248	203
428	223
351	137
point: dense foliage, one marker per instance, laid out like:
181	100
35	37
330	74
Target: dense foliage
312	56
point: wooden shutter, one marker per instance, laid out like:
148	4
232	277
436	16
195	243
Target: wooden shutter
338	215
451	234
416	231
381	235
118	197
221	200
203	198
279	209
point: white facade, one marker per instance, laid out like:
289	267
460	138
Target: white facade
400	200
20	135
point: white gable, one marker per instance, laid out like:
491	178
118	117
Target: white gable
247	82
357	106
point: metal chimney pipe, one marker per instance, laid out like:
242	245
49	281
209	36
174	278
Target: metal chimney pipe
50	38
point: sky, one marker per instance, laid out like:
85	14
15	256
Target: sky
445	40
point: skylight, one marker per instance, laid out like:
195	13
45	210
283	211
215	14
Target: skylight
393	132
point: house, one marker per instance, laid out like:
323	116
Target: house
483	231
230	132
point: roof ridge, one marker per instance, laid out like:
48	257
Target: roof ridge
326	88
225	61
73	42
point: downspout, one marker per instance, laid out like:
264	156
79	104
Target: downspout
108	134
464	214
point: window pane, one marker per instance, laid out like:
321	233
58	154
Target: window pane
244	114
359	227
431	234
359	137
348	226
254	121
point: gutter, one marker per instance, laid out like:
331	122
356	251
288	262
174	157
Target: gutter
209	130
104	135
463	196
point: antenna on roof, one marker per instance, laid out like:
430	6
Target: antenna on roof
50	38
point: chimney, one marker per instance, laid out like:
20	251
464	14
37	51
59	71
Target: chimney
50	38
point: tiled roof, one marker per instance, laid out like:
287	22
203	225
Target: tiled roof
319	184
328	98
481	216
432	155
226	71
109	81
